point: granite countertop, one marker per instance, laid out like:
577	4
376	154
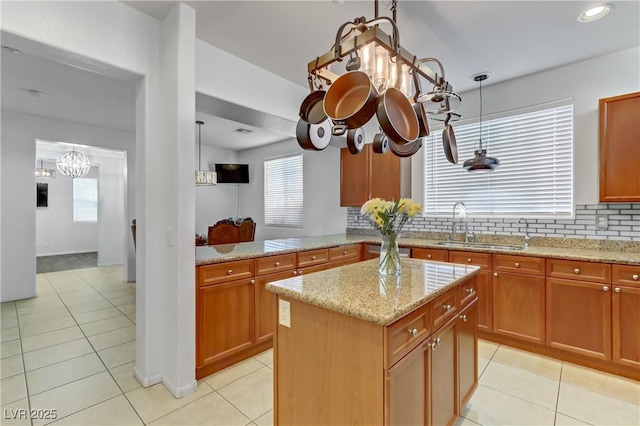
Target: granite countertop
225	252
358	290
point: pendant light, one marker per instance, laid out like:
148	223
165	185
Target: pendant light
203	177
480	161
42	172
73	164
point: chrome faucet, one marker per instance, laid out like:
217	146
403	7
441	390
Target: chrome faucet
527	237
463	217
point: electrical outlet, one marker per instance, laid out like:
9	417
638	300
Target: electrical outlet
602	221
284	313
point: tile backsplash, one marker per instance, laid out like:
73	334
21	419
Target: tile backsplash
623	224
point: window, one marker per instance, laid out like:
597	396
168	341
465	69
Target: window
535	177
85	200
283	192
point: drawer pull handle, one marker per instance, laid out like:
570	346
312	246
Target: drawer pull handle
447	308
463	318
495	274
617	290
230	271
428	256
344	252
313	258
605	288
253	281
277	264
435	344
635	277
469	260
413	332
576	271
296	272
469	290
517	265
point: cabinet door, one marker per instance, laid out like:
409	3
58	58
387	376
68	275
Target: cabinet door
406	392
224	320
354	177
579	317
519	306
467	354
442	373
430	254
485	300
626	325
265	304
384	175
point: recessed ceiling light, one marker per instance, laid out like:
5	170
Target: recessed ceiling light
594	13
241	130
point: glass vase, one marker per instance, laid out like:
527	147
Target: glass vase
389	256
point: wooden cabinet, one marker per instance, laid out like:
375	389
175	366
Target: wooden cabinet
430	254
483	284
442	373
467	350
619	149
265	305
407	387
344	255
368	175
625	315
312	257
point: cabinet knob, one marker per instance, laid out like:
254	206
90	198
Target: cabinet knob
253	281
495	274
576	271
605	288
413	332
230	271
469	260
296	272
617	290
447	308
277	264
469	290
313	258
344	252
635	277
463	318
428	256
517	265
435	344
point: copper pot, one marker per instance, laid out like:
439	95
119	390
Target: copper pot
311	109
314	137
397	117
350	101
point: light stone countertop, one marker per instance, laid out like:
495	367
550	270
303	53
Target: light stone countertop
358	290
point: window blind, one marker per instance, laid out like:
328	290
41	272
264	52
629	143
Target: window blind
85	200
535	177
283	193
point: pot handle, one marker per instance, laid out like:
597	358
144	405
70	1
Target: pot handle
339	129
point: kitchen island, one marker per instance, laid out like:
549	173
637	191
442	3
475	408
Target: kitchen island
354	347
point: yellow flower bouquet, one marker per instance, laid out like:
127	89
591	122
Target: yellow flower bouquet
388	217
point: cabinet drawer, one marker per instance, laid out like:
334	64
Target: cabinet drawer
483	260
518	264
468	292
312	257
577	270
223	272
626	275
406	333
271	264
340	253
430	254
443	308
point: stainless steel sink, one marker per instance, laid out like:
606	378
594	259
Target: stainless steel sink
480	245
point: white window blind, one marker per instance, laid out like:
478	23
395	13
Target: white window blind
85	200
283	192
535	176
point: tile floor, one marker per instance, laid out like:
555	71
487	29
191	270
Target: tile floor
72	349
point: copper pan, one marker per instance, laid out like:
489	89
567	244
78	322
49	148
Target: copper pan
350	101
397	117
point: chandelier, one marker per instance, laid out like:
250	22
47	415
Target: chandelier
382	78
203	177
73	164
42	172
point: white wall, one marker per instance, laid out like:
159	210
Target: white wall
322	212
113	225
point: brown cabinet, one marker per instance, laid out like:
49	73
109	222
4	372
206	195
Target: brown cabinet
619	148
407	389
368	175
483	284
443	405
344	255
467	350
265	305
430	254
625	315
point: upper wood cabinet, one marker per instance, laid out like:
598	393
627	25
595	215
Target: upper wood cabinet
619	148
368	175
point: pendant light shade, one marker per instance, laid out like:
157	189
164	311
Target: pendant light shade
480	160
73	164
203	177
41	172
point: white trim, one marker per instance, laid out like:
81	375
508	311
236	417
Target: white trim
67	252
28	295
182	391
144	380
110	264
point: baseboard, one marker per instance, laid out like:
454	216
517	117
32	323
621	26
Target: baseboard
22	296
182	391
146	381
110	264
66	252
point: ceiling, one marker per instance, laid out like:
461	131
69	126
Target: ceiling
507	38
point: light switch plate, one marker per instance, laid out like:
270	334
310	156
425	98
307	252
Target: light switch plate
602	221
284	313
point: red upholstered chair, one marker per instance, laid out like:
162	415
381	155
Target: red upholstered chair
222	233
246	230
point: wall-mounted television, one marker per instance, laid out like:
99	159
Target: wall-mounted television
232	173
42	194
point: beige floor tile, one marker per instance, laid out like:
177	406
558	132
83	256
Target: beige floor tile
113	338
119	292
521	383
251	394
9	335
46	326
596	408
49	315
53	303
482	365
132	317
91	306
83	318
76	396
562	420
233	373
115	411
109	324
156	401
64	372
534	363
11	348
127	309
13	389
486	349
11	366
211	410
9	322
42	302
124	376
491	407
16	413
265	357
53	354
266	419
607	384
123	300
91	297
51	338
462	421
118	355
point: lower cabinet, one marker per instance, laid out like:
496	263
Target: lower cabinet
626	325
442	372
467	350
485	300
265	305
407	387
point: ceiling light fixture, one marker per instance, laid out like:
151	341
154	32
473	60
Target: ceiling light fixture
203	177
73	164
594	13
36	93
42	172
242	130
480	161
